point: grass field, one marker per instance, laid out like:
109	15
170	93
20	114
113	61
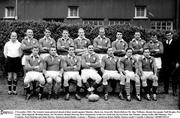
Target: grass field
18	102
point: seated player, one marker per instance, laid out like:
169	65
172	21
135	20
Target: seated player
148	71
110	71
81	43
101	43
71	66
90	62
128	66
34	67
46	43
53	71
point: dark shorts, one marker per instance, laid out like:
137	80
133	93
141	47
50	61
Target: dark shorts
13	64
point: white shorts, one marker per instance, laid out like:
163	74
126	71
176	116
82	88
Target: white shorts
74	75
44	55
34	76
110	74
24	60
148	75
90	73
131	75
53	75
158	62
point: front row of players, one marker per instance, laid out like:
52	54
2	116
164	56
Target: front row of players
50	71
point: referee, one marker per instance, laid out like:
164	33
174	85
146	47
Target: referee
12	53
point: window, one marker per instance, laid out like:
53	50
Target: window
162	25
140	12
73	12
118	22
93	21
9	12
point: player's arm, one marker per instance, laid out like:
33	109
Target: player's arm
66	67
25	47
103	64
138	67
154	67
83	62
96	64
5	50
120	66
78	66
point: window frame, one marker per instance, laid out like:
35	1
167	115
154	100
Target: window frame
6	12
145	12
155	22
69	12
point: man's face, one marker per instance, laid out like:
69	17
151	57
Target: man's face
146	53
154	38
65	34
81	33
13	36
169	36
71	51
110	52
52	51
35	51
129	53
137	35
90	49
101	32
29	33
119	35
47	33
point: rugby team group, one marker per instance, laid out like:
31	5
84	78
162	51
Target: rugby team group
53	64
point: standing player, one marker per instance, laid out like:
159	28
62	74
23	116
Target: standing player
156	49
137	44
27	44
53	71
81	43
90	62
101	43
148	70
128	66
46	43
119	45
71	68
110	71
64	43
12	53
34	67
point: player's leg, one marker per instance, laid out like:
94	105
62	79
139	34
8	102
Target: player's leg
66	85
105	77
10	78
14	83
145	86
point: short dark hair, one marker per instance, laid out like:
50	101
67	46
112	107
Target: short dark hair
167	32
129	49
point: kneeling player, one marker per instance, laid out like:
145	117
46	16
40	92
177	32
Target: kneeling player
148	70
90	62
110	71
34	68
71	67
128	64
53	71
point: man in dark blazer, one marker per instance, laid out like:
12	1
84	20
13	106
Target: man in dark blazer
169	59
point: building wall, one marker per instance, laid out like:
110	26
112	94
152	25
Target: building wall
93	9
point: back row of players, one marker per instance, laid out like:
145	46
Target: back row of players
79	60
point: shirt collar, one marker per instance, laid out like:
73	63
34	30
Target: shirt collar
32	56
104	37
81	38
126	57
121	40
65	39
71	56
